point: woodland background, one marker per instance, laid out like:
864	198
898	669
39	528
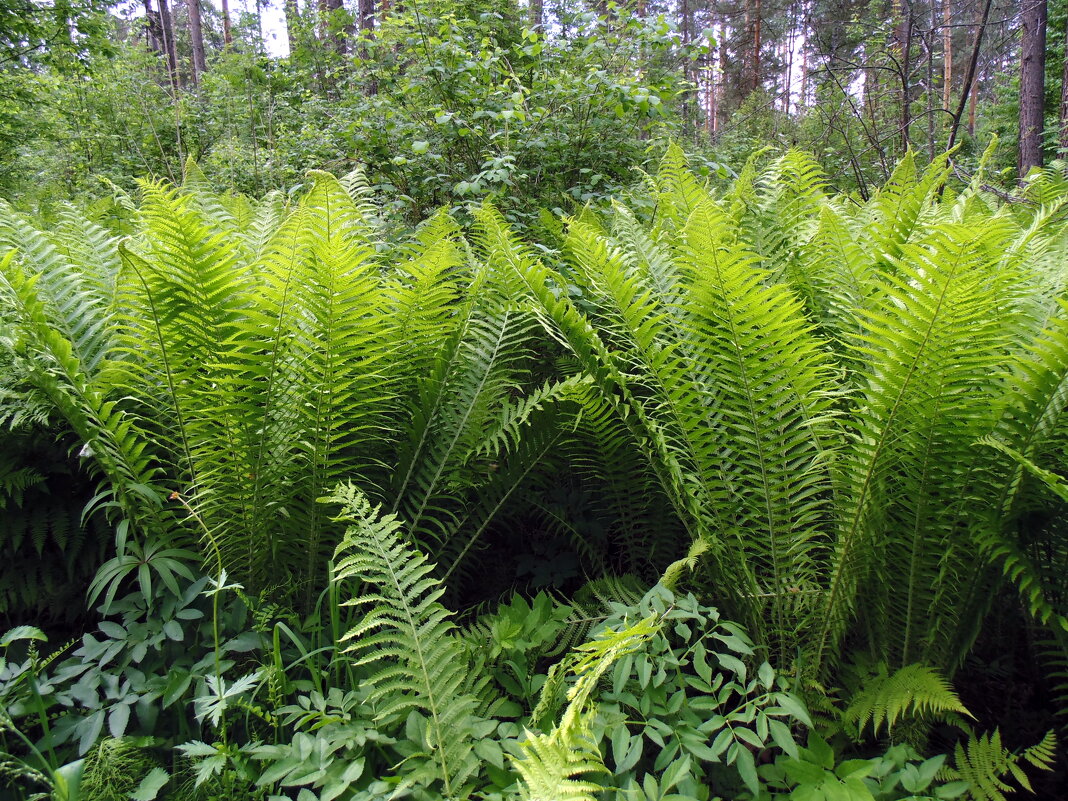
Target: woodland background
449	101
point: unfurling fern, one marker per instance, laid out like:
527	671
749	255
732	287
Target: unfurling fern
406	635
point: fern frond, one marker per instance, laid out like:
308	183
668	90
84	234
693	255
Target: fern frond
551	762
912	691
76	280
894	212
930	353
54	369
985	764
407	636
550	767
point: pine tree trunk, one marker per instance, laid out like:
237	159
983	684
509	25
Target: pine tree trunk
1063	138
332	35
971	107
713	92
722	109
685	22
155	35
903	49
1032	84
228	34
947	53
196	39
292	13
756	44
167	36
970	91
791	36
367	15
929	44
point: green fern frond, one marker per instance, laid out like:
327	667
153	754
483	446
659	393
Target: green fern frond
76	280
474	375
912	691
894	212
551	763
678	189
54	369
928	356
985	764
406	635
1053	653
549	768
592	604
335	211
783	220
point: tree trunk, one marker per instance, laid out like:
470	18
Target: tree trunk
367	15
537	14
1064	103
292	13
903	48
331	33
228	34
713	100
790	39
721	106
971	86
1032	84
167	35
756	44
929	44
153	29
196	39
947	53
971	107
686	25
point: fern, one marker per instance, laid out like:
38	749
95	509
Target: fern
552	763
913	691
929	353
406	635
985	764
734	437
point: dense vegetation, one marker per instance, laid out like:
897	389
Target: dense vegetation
528	103
713	492
571	401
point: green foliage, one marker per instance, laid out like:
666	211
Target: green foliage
551	762
913	691
114	769
405	635
768	397
815	773
983	763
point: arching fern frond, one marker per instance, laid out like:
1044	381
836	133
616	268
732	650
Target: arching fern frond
913	691
552	764
407	637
